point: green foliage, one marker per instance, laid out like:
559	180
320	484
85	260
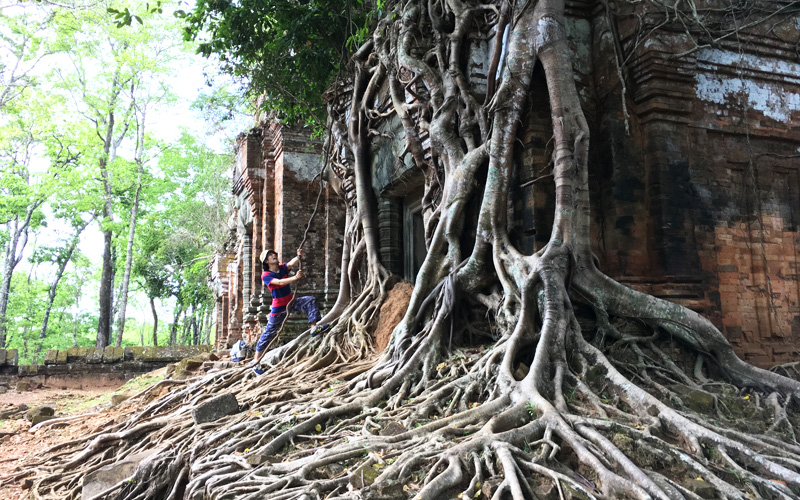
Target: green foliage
289	51
103	64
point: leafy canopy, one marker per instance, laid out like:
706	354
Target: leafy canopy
289	50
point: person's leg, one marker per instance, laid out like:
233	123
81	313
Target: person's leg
273	325
307	305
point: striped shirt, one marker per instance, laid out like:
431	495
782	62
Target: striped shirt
281	295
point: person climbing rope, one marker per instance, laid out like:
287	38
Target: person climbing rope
276	278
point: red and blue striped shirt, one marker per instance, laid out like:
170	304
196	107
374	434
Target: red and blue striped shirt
281	295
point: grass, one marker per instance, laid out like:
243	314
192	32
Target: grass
131	387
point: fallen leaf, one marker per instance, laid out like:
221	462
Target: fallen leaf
318	428
699	478
441	366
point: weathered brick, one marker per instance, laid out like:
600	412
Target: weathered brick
51	357
78	354
133	352
113	354
28	370
95	355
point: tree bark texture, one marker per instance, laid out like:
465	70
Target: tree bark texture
155	320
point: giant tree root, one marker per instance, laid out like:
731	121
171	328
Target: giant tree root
607	432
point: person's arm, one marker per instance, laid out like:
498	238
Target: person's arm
295	260
286	281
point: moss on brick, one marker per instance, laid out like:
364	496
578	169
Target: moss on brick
51	357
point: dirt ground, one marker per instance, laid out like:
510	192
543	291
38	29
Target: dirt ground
19	448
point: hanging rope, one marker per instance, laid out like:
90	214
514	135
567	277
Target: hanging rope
302	243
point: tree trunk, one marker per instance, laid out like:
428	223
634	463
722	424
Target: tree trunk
155	320
139	158
195	326
28	321
207	326
106	287
51	294
110	144
76	326
515	374
173	332
13	256
123	297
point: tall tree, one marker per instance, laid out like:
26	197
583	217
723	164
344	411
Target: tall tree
142	155
61	257
24	137
109	65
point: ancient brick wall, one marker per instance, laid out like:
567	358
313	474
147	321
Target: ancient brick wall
279	200
68	367
699	204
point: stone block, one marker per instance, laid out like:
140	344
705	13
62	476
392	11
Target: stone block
3	356
133	352
28	370
701	488
393	429
50	357
116	399
95	355
390	489
12	357
189	364
182	374
105	477
64	369
40	411
216	408
78	354
169	354
363	476
61	358
41	418
113	354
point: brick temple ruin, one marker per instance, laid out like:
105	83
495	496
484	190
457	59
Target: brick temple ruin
276	185
699	203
